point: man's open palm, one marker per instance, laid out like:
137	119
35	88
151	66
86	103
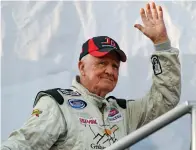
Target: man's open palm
154	26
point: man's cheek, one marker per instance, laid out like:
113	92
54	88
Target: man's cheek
95	78
116	77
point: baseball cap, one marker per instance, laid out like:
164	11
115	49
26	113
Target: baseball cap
99	46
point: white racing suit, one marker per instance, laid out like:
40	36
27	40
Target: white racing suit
75	119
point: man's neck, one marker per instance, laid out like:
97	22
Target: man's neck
91	89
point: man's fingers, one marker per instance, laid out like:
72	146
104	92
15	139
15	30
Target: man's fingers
148	11
160	12
143	16
139	27
154	11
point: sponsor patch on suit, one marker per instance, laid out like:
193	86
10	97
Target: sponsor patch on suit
70	92
156	65
91	121
77	103
114	115
36	112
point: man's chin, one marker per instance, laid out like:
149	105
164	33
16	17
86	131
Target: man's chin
107	87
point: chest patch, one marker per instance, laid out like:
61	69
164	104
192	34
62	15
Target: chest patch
91	121
114	115
77	103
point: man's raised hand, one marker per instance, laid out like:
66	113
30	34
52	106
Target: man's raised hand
154	26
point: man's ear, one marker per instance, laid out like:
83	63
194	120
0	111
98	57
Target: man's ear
81	67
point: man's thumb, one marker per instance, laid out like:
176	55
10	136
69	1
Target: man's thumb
139	27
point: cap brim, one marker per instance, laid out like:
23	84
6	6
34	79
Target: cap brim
105	51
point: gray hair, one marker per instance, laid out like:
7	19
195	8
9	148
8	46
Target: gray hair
86	58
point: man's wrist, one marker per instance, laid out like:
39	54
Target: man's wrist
163	46
161	38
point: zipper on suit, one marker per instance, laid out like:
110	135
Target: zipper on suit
102	112
104	125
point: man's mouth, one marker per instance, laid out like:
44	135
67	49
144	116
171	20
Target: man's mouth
109	79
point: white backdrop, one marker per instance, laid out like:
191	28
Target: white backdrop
41	42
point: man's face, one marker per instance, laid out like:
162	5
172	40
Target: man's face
101	73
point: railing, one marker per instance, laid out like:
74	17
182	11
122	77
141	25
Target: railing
160	122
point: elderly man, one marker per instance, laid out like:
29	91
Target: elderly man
82	117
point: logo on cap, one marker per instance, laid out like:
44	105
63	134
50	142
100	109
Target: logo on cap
108	43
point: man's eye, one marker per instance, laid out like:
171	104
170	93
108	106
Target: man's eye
102	63
115	66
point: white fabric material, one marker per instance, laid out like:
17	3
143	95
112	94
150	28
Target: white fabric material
41	42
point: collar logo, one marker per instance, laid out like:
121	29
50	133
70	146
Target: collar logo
70	92
77	103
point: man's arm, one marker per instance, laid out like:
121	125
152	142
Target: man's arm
165	90
41	130
166	87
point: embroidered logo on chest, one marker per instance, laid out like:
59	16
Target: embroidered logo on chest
114	115
77	103
91	121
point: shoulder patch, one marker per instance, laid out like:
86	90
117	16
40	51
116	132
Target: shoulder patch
121	102
70	92
156	65
51	92
36	112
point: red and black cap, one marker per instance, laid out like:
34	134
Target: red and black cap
100	46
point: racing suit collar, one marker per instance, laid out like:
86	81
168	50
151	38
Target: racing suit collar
95	99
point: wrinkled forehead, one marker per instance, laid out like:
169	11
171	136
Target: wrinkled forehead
112	56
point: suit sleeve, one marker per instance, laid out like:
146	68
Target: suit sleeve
41	130
165	91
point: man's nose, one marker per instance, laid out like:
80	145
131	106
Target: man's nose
109	70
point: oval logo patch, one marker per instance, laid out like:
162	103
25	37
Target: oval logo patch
113	112
114	115
77	103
